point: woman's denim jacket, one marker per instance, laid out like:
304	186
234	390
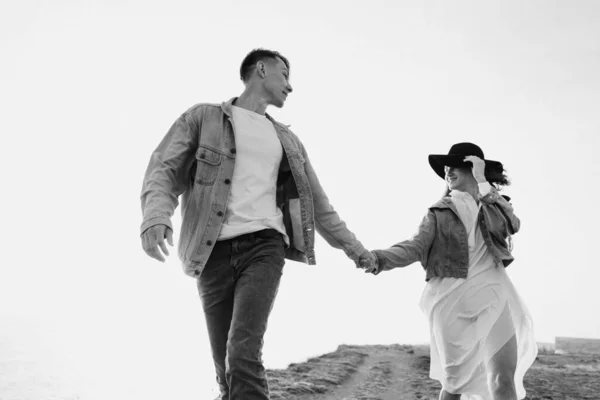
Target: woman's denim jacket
196	159
441	243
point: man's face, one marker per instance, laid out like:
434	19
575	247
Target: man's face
276	81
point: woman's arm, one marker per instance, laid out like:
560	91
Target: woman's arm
409	251
488	194
493	197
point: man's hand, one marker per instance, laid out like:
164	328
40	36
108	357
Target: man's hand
154	237
478	168
368	261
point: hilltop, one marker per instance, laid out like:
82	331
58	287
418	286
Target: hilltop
400	372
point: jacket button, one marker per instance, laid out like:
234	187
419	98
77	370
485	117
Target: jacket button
209	242
233	151
220	213
227	181
202	155
196	272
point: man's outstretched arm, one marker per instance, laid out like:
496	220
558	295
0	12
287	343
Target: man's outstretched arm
329	224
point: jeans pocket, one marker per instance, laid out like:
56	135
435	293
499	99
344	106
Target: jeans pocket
274	246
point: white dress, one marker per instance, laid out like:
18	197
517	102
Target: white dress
471	319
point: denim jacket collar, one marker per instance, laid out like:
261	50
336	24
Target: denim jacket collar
226	107
444	202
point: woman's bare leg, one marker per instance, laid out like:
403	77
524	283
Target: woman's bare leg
501	372
448	396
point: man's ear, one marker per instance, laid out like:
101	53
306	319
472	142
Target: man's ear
260	69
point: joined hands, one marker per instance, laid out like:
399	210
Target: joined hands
368	261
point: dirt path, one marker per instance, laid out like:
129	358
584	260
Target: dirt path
400	372
387	373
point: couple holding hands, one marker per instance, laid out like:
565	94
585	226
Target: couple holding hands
251	199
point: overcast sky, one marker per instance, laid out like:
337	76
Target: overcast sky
89	88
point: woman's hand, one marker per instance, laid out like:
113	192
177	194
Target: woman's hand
369	262
478	168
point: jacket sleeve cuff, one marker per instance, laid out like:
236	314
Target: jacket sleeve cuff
487	193
159	220
355	251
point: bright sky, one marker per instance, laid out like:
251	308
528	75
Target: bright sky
89	88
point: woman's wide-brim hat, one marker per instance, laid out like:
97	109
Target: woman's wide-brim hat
456	156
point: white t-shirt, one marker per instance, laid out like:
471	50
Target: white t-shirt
251	205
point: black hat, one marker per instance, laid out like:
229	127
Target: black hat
456	156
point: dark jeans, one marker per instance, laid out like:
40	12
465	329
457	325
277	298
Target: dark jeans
238	287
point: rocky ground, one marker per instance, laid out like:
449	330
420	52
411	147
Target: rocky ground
400	372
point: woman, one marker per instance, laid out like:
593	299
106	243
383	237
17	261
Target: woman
482	340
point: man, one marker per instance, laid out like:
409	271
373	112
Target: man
250	199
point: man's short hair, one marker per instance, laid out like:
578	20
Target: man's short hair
255	56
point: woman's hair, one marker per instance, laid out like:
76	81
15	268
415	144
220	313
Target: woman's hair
497	176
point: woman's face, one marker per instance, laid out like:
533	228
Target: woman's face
459	178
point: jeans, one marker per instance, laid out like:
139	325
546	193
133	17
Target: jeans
238	287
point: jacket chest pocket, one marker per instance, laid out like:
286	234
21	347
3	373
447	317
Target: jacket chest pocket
208	162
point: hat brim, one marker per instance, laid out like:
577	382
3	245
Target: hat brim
439	161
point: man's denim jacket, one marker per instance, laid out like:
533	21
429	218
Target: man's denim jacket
196	160
441	243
